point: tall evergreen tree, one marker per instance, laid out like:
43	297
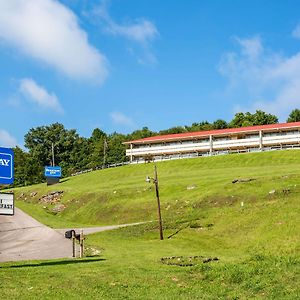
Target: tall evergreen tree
294	116
116	151
98	148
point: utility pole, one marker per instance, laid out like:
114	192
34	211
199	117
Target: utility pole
158	204
53	162
104	153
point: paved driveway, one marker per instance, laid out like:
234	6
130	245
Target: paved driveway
24	238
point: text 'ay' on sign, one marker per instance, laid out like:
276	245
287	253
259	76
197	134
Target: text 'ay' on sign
6	166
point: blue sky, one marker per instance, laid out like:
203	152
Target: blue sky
121	65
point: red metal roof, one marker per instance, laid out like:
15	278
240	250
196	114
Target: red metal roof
189	135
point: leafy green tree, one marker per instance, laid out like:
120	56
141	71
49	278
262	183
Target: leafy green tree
27	169
199	126
39	143
141	133
116	151
98	148
172	130
97	134
220	124
34	171
21	158
262	118
294	116
258	118
239	119
79	156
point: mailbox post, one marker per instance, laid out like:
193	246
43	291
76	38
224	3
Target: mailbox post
71	234
81	239
73	244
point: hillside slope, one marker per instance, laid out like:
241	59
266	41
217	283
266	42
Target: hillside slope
187	187
192	191
251	226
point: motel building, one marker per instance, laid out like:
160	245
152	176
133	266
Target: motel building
215	142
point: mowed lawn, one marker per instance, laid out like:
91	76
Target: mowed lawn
252	227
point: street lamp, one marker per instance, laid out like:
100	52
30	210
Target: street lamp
155	181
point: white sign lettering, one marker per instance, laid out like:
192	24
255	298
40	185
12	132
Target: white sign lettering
4	162
6	204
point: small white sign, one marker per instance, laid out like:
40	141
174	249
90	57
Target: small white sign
7	204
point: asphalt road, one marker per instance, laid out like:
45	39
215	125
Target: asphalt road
24	238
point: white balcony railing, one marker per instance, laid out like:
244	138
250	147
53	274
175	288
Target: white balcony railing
192	147
284	139
229	144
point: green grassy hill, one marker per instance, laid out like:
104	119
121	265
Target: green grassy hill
189	189
252	227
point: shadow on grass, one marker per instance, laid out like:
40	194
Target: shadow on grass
64	180
54	263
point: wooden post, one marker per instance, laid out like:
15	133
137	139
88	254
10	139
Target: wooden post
104	153
73	245
158	204
81	244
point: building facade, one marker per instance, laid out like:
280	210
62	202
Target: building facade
215	142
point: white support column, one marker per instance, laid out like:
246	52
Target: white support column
260	140
130	153
210	145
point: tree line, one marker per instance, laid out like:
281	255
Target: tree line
76	153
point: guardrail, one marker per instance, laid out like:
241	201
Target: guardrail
100	168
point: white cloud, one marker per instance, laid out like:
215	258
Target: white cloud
251	47
120	119
7	140
48	31
39	95
271	80
141	31
296	32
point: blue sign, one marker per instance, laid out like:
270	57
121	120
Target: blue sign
6	166
53	172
